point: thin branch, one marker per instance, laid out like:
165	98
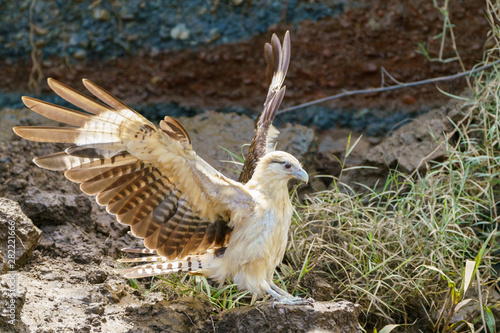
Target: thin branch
395	87
36	74
385	72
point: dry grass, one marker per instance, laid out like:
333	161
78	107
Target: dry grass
375	249
401	252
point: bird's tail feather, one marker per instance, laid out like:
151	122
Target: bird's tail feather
161	265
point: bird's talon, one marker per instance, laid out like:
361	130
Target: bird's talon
293	301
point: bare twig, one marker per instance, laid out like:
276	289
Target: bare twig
36	74
384	73
448	26
395	87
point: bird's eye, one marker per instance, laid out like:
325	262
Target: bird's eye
288	165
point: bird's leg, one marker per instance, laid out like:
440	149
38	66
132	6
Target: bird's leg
281	291
281	296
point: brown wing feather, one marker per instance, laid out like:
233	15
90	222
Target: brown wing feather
111	159
76	98
270	63
277	59
155	210
175	130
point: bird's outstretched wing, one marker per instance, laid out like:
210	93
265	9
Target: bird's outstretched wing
277	59
149	177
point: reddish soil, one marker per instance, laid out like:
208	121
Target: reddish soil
328	56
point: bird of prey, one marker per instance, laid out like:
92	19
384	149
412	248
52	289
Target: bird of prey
191	217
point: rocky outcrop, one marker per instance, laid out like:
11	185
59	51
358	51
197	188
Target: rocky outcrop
18	236
54	207
407	149
416	143
214	134
341	317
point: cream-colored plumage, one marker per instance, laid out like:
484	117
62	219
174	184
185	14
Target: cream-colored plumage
259	235
191	217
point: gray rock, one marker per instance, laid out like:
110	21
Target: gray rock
114	291
96	276
341	317
410	147
95	308
185	314
52	208
180	31
213	133
422	138
18	235
101	14
297	140
13	299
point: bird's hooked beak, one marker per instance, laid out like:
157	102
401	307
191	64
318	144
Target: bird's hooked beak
301	174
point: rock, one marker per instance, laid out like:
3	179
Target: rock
405	148
186	314
410	144
297	140
80	54
180	31
18	235
409	99
56	306
13	299
212	133
331	158
100	14
96	276
341	317
369	68
52	208
114	291
95	308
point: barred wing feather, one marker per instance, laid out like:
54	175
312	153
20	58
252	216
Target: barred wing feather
149	177
277	59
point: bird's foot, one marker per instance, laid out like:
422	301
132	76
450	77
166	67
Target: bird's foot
292	300
282	297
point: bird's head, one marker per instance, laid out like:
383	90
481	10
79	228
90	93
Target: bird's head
280	166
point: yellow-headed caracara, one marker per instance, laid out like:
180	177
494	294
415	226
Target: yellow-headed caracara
191	217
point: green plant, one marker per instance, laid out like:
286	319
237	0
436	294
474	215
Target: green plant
456	297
